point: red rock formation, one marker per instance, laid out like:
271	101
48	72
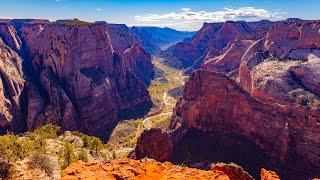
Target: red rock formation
233	171
214	103
273	105
228	62
212	38
140	61
74	77
148	169
268	175
136	58
283	67
154	144
11	87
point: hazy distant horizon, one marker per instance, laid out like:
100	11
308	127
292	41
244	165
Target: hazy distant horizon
185	15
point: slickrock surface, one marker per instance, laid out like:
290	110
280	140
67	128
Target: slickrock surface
70	73
268	175
147	169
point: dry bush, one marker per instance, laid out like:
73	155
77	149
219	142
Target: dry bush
42	162
5	170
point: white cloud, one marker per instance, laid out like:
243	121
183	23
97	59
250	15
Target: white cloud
98	9
186	19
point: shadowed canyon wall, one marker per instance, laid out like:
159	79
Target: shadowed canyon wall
70	73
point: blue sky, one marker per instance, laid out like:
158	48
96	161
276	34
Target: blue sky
178	14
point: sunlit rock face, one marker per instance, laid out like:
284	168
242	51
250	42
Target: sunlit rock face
67	73
212	40
256	103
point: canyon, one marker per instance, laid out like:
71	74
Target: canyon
255	94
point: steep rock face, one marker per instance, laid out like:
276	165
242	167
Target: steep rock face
147	169
74	78
125	44
212	38
9	35
11	88
228	62
287	134
270	111
159	149
283	67
140	61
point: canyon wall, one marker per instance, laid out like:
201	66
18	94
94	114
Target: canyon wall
70	73
255	96
211	40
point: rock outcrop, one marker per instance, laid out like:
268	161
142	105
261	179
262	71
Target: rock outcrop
12	84
147	169
268	175
210	41
135	57
69	73
288	135
283	67
259	93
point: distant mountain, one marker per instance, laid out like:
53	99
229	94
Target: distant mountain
155	39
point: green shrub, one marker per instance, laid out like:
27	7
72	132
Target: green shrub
38	136
96	145
92	143
83	155
43	162
48	131
6	170
68	155
86	141
14	148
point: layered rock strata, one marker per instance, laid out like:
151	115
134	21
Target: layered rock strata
69	73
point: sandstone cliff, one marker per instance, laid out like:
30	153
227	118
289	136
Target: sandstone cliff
287	135
211	39
135	57
283	67
258	97
69	73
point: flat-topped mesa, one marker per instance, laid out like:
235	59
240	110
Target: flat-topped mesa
74	78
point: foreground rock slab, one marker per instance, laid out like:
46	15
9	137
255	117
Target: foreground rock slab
149	169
